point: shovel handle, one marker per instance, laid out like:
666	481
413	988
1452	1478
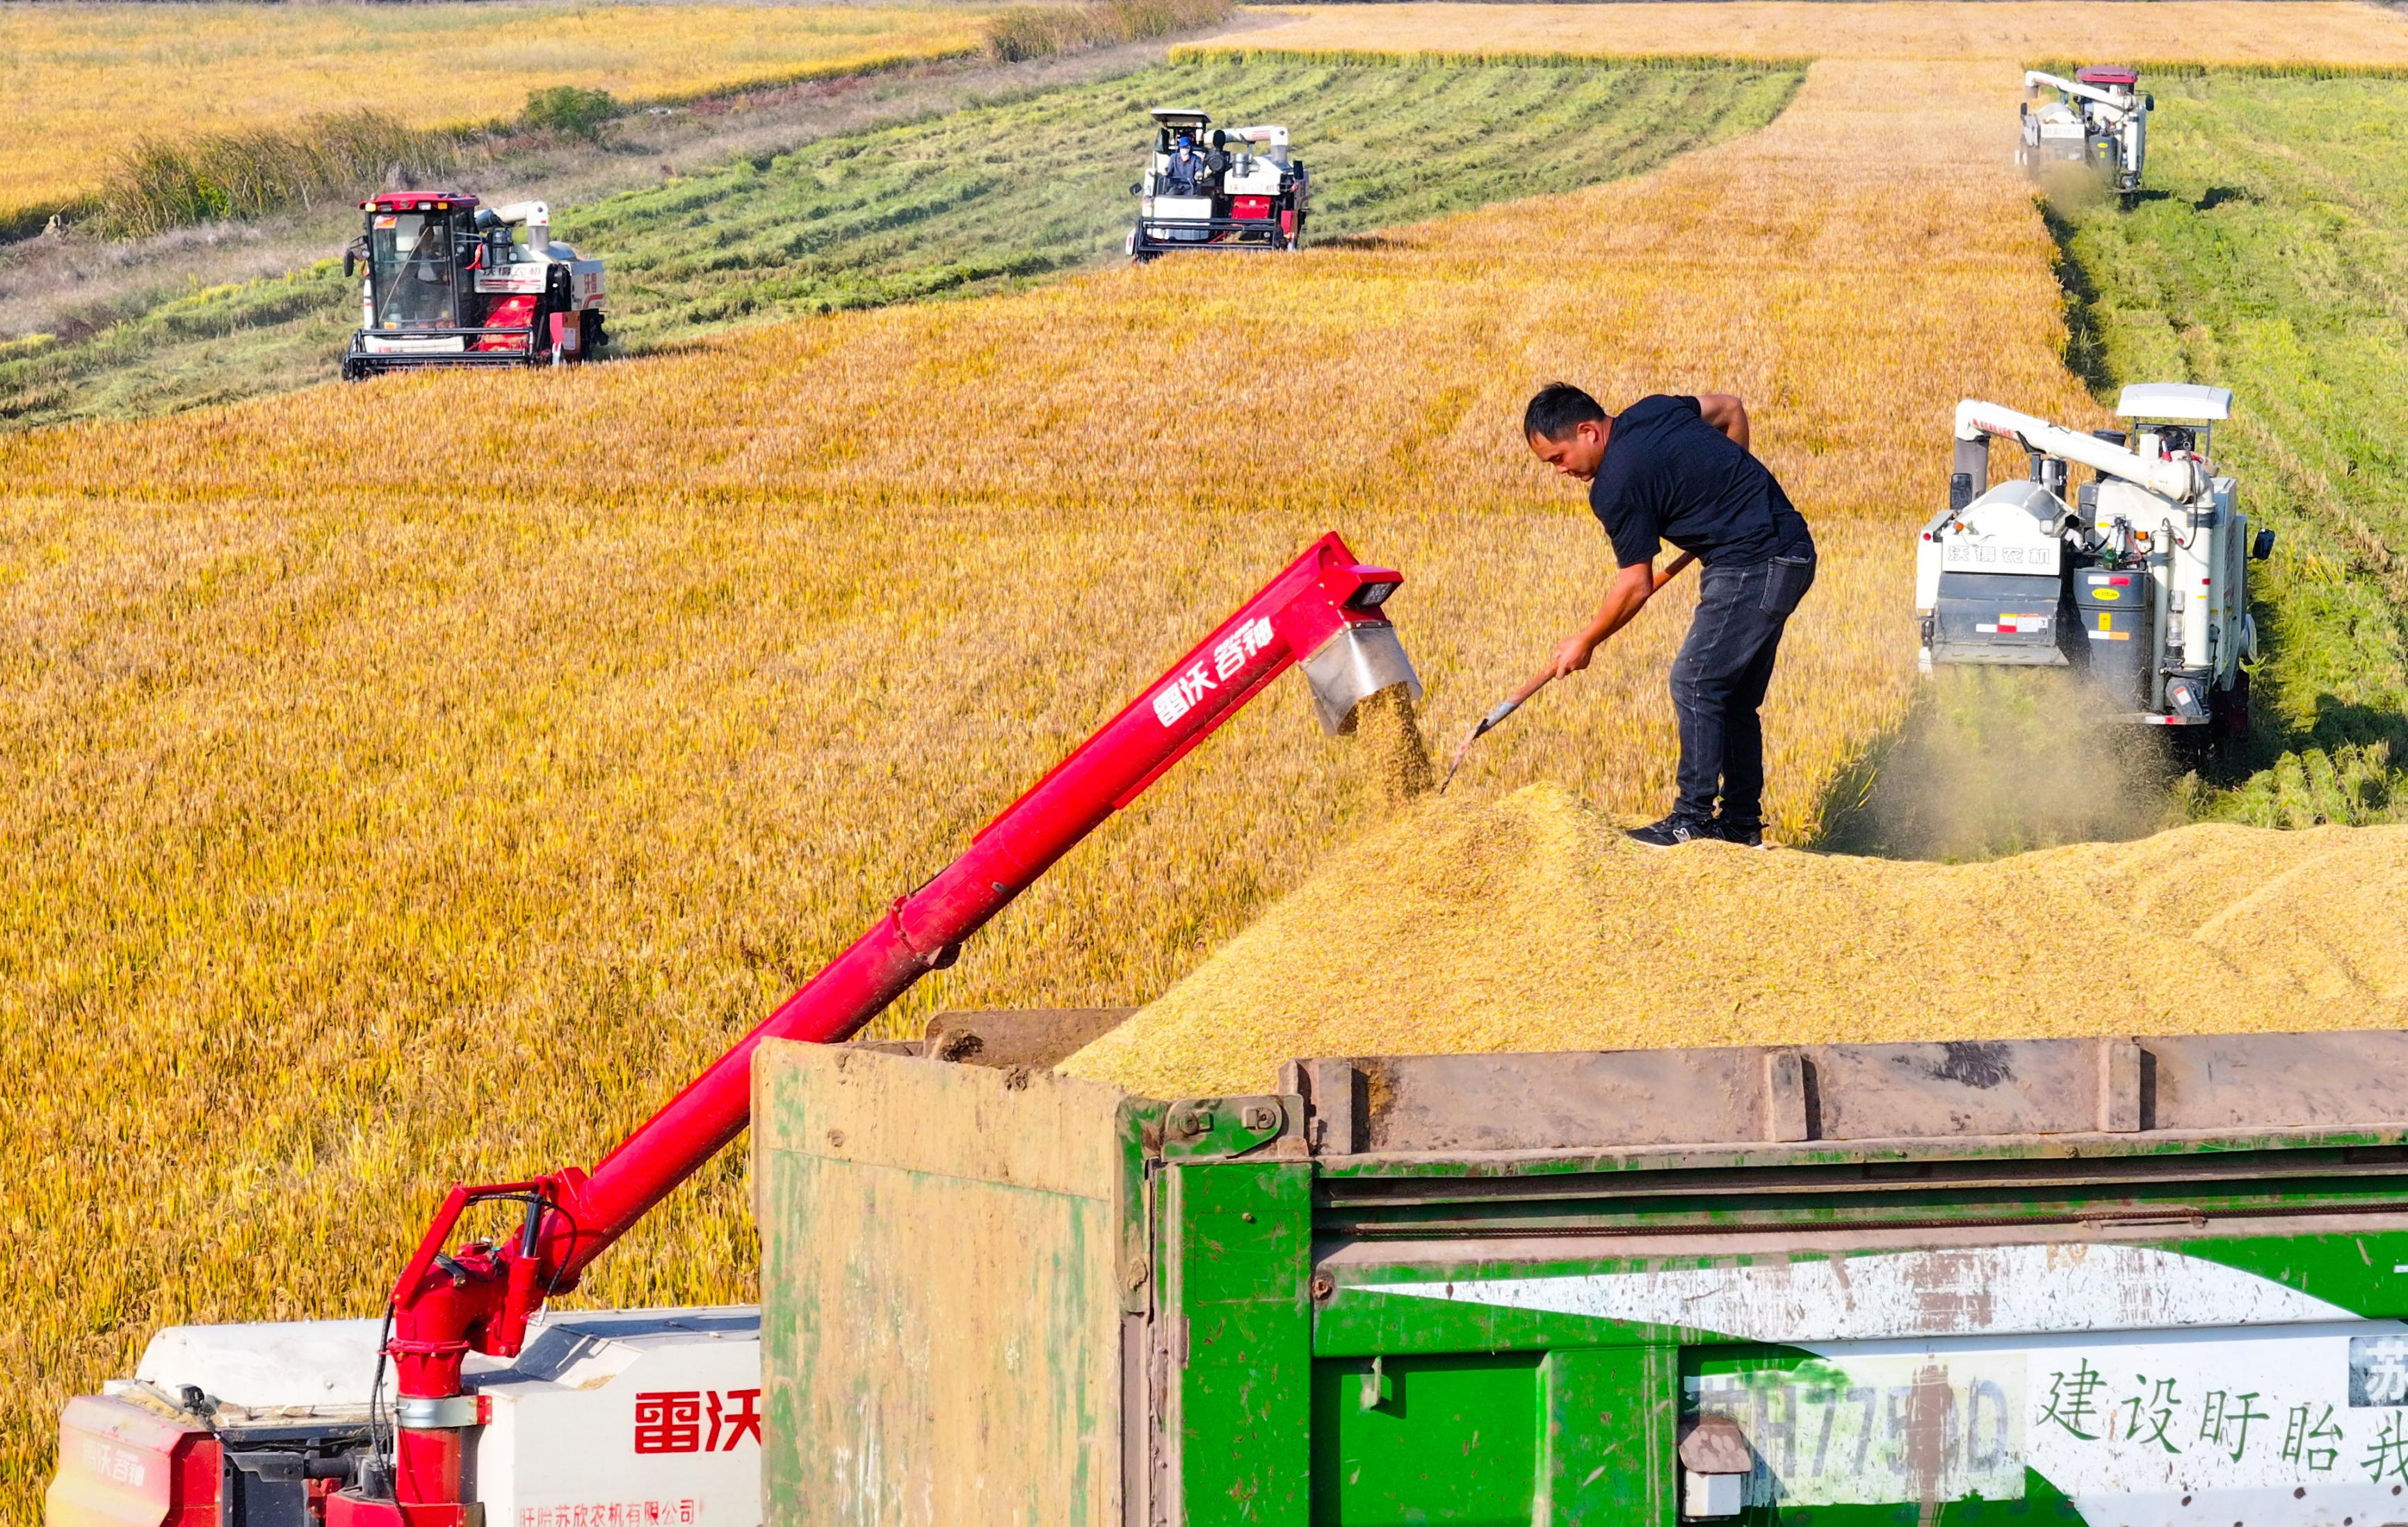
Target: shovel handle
1536	682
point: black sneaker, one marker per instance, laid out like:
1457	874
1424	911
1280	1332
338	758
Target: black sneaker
1672	832
1746	837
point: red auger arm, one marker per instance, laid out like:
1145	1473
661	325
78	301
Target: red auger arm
1323	611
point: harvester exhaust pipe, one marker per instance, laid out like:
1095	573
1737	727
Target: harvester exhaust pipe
1354	665
1968	478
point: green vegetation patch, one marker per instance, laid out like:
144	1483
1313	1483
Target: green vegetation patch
2269	255
970	202
985	197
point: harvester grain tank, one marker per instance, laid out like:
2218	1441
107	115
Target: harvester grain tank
449	283
2100	119
1231	189
2158	1282
2139	579
497	1416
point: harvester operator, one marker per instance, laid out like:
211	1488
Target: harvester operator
1678	469
1187	169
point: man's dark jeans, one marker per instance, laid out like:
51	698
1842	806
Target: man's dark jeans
1719	679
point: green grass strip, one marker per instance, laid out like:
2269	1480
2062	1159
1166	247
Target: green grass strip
2268	254
987	199
1205	53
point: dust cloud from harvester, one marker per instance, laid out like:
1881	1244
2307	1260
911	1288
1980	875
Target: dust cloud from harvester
1994	761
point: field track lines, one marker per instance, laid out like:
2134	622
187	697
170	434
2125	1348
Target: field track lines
2335	32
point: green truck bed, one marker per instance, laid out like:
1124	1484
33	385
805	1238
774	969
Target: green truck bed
2128	1282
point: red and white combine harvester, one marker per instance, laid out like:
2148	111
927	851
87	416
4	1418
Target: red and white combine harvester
452	283
466	1404
1207	188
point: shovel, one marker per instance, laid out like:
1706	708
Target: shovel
1504	707
1512	702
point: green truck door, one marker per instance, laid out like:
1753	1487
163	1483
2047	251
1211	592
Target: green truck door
1573	1438
1268	1435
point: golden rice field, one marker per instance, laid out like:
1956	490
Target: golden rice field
412	781
2337	32
97	76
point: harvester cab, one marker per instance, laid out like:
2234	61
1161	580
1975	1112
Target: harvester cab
1207	188
2100	118
449	283
2139	578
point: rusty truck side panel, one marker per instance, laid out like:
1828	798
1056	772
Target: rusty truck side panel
941	1309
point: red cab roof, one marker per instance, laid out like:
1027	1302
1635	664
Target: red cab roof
2108	74
418	201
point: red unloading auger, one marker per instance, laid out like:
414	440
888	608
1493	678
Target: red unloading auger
1323	612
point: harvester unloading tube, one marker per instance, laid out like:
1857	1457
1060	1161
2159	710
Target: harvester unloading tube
2182	481
1323	611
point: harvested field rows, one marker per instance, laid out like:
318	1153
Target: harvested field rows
2272	261
2331	33
411	782
1531	923
99	77
977	200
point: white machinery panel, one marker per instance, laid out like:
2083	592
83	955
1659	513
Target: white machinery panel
524	277
377	343
608	1418
625	1418
1968	555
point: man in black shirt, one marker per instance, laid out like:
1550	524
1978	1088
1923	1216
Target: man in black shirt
1678	469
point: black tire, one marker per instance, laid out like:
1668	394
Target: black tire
2234	716
590	335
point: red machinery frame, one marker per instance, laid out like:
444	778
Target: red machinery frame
478	1296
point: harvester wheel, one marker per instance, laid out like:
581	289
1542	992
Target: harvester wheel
2233	718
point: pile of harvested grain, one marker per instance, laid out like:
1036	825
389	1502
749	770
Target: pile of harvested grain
1530	924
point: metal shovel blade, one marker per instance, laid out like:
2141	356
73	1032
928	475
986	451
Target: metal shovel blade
1504	708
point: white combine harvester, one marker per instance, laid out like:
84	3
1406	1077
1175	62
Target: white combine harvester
2100	118
1233	188
2140	578
449	282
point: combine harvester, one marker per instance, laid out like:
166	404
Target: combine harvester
2140	579
2100	118
1232	189
452	283
607	1420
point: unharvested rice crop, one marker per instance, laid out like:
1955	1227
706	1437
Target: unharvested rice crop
98	78
2329	32
1530	924
409	783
